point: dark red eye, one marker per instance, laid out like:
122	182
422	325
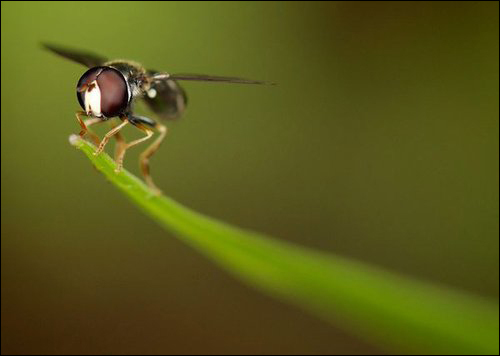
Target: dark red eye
103	92
87	78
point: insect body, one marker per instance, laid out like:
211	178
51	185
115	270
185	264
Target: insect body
109	88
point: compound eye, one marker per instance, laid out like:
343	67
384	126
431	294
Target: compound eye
103	92
84	82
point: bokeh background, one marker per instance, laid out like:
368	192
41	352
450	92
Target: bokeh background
379	143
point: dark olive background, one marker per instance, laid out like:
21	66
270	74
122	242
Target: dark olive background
379	143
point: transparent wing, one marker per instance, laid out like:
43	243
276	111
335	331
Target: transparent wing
166	97
212	78
87	59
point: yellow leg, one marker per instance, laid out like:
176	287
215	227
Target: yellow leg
144	158
121	153
85	124
120	143
108	136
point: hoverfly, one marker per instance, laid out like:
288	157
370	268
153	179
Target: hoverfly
109	89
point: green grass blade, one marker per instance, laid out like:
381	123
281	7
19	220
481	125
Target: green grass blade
394	311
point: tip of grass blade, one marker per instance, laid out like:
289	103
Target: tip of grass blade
107	166
74	140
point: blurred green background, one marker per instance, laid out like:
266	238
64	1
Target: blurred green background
379	143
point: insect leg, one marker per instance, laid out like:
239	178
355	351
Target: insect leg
85	124
144	158
109	134
121	154
120	143
147	125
